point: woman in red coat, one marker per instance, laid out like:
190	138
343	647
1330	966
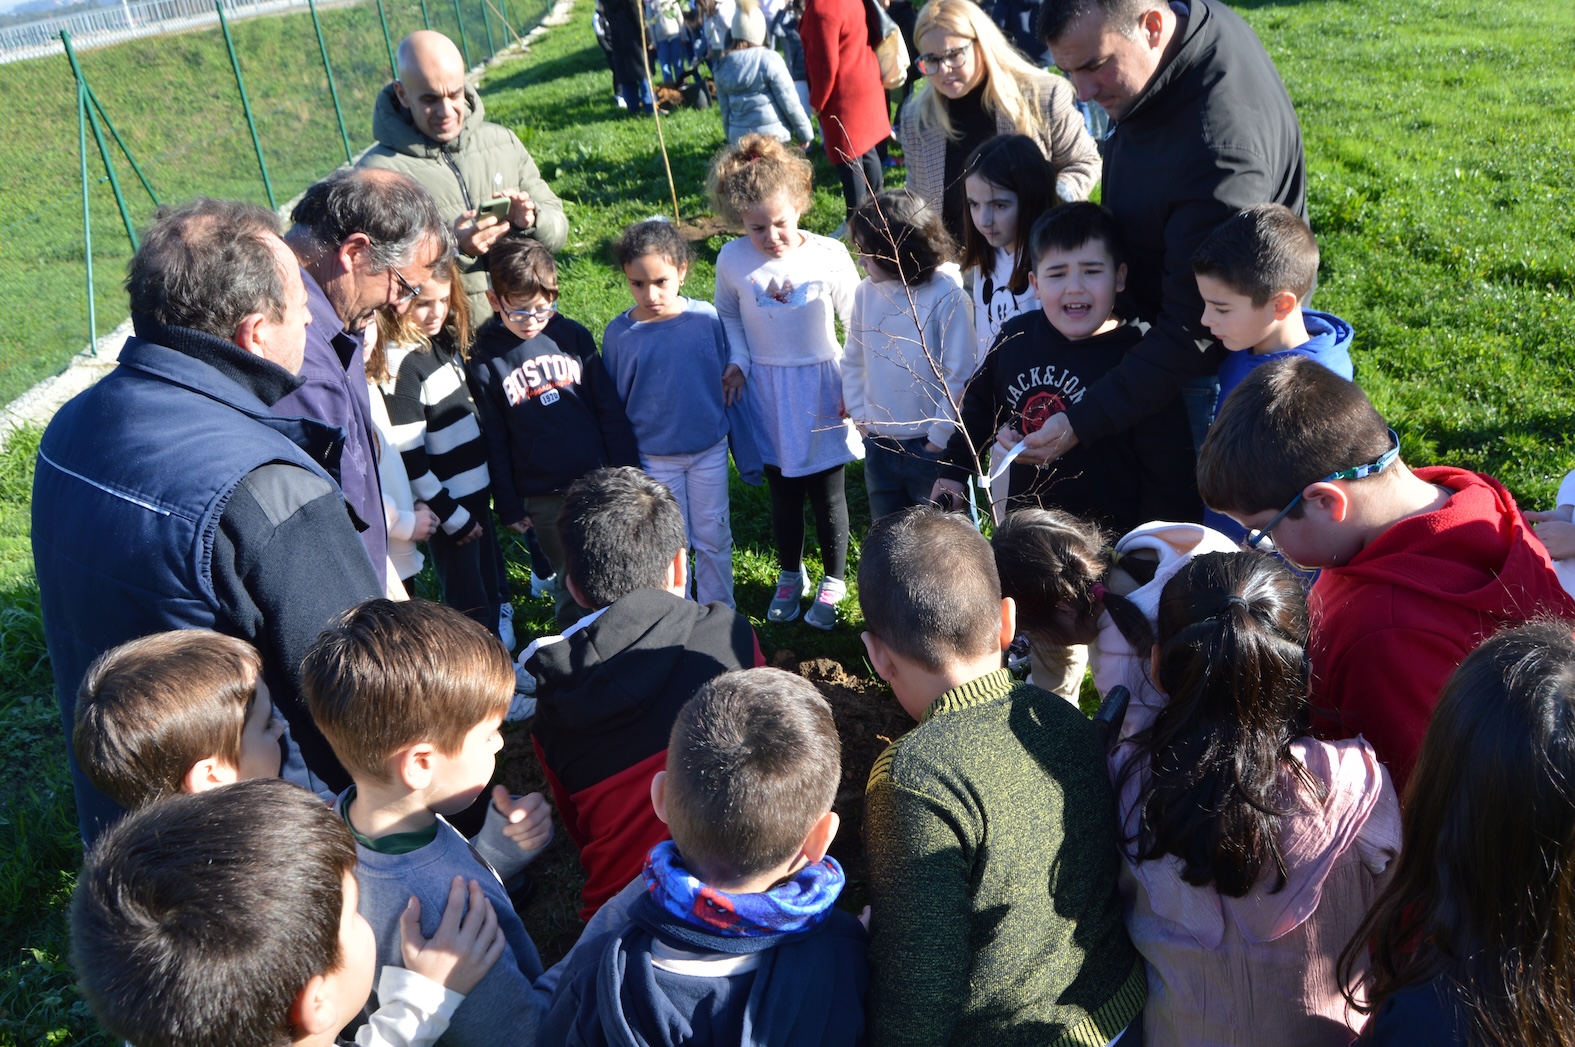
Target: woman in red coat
845	89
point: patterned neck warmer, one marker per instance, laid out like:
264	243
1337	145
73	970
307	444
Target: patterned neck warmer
797	905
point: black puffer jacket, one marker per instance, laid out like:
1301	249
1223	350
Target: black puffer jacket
1212	133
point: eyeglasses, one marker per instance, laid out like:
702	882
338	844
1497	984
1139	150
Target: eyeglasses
525	316
409	292
1356	472
930	65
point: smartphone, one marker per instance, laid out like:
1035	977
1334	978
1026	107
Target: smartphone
497	208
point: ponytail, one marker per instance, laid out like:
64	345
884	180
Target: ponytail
1232	632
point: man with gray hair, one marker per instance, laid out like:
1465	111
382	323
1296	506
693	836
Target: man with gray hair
366	240
1201	127
174	495
429	124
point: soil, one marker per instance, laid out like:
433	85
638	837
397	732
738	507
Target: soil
868	719
702	228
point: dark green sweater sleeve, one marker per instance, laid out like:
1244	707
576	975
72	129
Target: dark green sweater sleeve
920	905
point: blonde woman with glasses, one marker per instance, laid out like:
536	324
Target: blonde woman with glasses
980	86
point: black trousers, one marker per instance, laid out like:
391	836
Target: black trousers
861	178
829	505
468	574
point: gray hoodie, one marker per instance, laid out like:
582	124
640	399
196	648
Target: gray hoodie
756	96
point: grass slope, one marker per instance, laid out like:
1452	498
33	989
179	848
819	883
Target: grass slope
174	100
1435	136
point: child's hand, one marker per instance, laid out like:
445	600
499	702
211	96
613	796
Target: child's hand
426	523
948	495
1564	513
466	945
732	384
1556	532
530	818
1008	438
1049	442
474	533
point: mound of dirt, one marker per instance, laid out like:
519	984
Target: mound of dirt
868	720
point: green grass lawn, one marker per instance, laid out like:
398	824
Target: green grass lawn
1438	137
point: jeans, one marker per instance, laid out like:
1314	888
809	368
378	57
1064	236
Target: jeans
699	485
897	473
1199	396
671	58
543	512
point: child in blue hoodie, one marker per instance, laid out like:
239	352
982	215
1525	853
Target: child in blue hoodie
1253	274
731	934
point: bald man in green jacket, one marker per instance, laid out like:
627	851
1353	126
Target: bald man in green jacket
429	125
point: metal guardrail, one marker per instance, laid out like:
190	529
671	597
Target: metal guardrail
112	25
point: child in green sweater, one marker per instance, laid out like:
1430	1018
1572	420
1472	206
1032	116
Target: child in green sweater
990	828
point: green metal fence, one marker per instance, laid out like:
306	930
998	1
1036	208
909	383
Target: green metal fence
255	109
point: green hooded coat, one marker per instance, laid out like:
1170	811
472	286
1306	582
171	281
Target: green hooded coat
485	157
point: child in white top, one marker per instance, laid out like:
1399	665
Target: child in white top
778	291
409	521
666	357
910	347
1557	531
1009	184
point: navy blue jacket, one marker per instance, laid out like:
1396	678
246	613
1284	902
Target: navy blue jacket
808	989
169	496
549	410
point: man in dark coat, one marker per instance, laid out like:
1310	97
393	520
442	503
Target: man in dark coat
171	495
1201	127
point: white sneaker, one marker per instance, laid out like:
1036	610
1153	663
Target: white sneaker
792	587
822	614
540	586
506	625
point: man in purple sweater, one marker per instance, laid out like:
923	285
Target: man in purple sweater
365	240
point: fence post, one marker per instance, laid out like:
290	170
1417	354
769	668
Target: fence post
507	18
99	107
103	150
486	23
333	91
426	19
393	68
87	224
246	105
464	44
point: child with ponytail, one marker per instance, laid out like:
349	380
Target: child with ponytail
779	292
1073	588
1251	852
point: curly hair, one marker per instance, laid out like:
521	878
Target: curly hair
655	236
759	168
